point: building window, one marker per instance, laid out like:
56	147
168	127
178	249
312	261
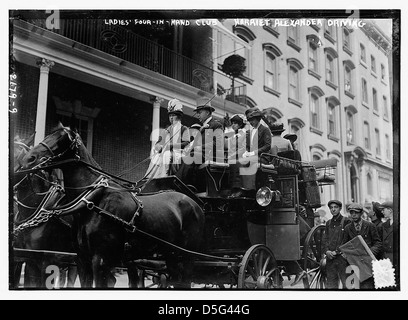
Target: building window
373	65
387	147
330	32
294	80
369	184
78	117
346	40
271	68
377	143
385	107
270	71
382	72
367	143
294	83
375	100
350	128
332	120
315	93
314	111
247	36
348	78
313	62
293	37
364	92
330	76
362	53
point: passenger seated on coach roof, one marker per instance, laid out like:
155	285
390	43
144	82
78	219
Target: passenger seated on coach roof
167	153
279	144
258	141
207	148
235	147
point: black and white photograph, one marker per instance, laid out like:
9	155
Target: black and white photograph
211	151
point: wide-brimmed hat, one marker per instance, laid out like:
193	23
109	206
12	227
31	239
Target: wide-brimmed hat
252	113
355	207
291	137
174	106
335	202
239	118
277	127
204	104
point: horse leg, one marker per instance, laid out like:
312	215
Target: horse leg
72	275
32	275
178	274
102	272
17	274
84	267
62	276
135	277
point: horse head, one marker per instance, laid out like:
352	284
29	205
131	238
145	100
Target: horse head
63	143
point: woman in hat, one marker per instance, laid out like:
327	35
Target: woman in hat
278	141
235	147
292	138
167	153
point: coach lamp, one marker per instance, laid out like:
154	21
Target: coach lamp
264	196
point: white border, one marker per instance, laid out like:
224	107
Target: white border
6	294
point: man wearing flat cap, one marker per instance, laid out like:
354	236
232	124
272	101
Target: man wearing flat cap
333	238
367	231
387	210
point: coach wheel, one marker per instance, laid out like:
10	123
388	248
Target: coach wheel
259	269
313	259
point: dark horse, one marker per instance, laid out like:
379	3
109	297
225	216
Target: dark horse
103	225
29	193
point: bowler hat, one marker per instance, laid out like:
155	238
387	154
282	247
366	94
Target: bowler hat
335	202
387	204
291	137
277	127
355	207
204	104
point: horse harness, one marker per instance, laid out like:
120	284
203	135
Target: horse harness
85	200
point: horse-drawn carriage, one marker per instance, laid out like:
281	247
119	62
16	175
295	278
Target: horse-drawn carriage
166	234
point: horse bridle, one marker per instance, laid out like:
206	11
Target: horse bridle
74	146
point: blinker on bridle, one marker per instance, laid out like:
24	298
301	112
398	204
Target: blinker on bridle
75	142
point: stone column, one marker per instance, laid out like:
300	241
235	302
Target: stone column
156	119
45	66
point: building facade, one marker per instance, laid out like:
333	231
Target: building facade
327	83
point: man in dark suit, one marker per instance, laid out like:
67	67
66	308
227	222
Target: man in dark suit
333	238
208	146
258	141
367	231
387	230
